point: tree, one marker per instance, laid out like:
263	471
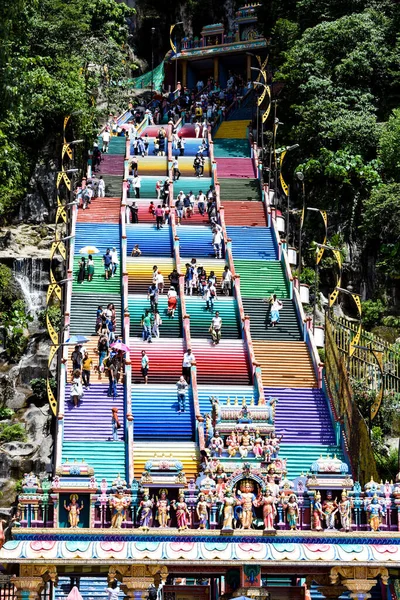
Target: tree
389	146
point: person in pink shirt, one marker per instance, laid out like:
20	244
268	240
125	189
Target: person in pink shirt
159	213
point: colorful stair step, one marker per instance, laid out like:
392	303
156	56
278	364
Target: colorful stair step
185	452
152	241
261	278
249	214
288	328
235	167
170	328
100	235
200	317
106	458
101	210
99	283
84	308
239	189
251	243
285	364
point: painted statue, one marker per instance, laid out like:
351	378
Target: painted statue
207	484
217	444
258	447
163	509
292	511
345	511
119	503
146	513
268	450
215	411
245	498
375	513
220	478
74	510
276	445
232	443
268	502
245	443
209	427
202	512
182	512
229	502
317	513
329	509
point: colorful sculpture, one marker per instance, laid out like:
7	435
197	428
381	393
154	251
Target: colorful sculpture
245	443
317	513
375	513
292	510
146	513
202	512
232	443
163	509
268	502
216	444
229	502
182	512
245	498
220	478
329	509
344	508
74	510
118	503
258	447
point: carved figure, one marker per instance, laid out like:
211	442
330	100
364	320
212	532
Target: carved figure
202	512
345	505
268	502
292	511
232	443
375	512
146	513
245	443
182	512
163	509
245	498
329	508
217	444
207	484
209	427
118	504
220	478
258	447
229	502
317	513
74	510
215	411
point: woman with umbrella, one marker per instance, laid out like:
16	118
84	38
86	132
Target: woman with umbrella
90	268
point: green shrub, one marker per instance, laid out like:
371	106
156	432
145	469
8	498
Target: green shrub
39	388
55	317
6	413
372	313
387	464
12	433
321	352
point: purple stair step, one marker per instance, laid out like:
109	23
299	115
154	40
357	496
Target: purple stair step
92	419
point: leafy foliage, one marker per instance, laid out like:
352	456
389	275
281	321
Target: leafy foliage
54	314
16	321
372	312
8	289
6	413
39	388
12	433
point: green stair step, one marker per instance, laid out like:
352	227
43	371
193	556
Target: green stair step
231	148
261	278
84	308
113	186
170	328
98	285
300	457
200	318
117	145
239	189
286	330
107	458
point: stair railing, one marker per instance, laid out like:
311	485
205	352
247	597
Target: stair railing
129	457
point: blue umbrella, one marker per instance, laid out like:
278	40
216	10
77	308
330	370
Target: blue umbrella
76	339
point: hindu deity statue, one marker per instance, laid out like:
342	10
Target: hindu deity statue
74	510
182	512
232	443
118	503
258	447
215	410
207	484
246	498
202	512
163	508
229	502
317	513
209	427
220	478
292	510
329	509
344	508
276	445
268	502
268	450
245	443
146	512
217	444
375	513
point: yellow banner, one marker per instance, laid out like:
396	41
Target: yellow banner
284	185
321	250
268	109
52	400
52	332
61	213
260	99
170	39
66	119
66	149
355	341
53	288
52	353
357	300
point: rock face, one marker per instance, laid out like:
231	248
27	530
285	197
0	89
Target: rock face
38	206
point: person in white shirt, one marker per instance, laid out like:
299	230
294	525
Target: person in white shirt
113	591
181	387
114	261
204	132
188	360
215	328
226	281
101	188
160	282
217	241
136	184
276	306
176	172
197	129
210	294
201	203
106	140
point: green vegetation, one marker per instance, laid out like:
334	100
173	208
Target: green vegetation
6	413
12	433
39	388
56	58
55	317
16	322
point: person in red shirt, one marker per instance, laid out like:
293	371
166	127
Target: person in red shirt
159	213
